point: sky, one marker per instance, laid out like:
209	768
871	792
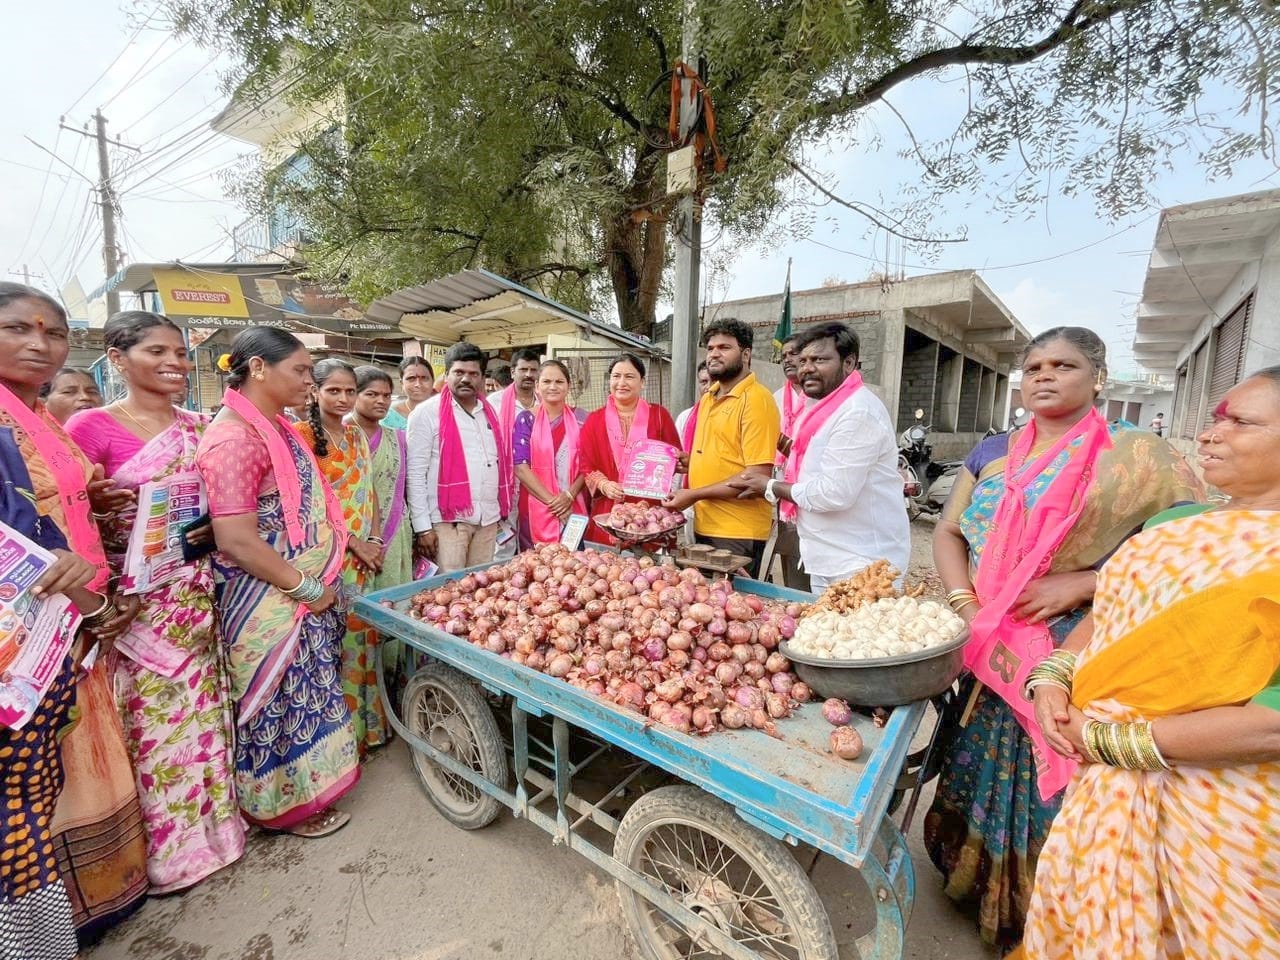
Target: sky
1063	263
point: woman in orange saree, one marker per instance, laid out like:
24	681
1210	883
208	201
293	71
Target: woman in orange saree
1166	845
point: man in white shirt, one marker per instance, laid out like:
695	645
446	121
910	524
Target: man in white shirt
507	403
791	404
469	537
704	383
842	467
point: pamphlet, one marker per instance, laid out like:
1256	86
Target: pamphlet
35	632
154	555
574	529
424	569
650	471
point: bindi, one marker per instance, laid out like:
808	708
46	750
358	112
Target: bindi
1221	411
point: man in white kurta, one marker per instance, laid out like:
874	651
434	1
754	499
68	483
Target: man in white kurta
842	470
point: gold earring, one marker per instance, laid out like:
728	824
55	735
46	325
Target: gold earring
259	375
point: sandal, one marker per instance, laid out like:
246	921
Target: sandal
321	824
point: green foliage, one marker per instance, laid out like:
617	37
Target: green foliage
529	136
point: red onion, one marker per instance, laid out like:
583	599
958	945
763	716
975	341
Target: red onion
754	669
631	695
782	682
678	659
800	692
653	650
738	632
749	698
560	665
720	651
776	706
678	717
768	636
836	712
733	716
704	719
846	743
728	672
787	627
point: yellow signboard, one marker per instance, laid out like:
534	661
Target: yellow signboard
185	293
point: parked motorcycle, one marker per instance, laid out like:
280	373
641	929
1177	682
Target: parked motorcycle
926	483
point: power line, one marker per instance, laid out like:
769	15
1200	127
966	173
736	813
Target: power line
174	50
44	183
107	69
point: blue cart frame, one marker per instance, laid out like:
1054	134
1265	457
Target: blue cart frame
792	789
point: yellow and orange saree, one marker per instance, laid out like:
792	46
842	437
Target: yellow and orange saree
1178	864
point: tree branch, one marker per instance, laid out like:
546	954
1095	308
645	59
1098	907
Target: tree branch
1071	26
858	209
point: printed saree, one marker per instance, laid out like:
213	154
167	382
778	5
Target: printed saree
1177	864
173	696
35	909
96	828
295	750
348	469
988	822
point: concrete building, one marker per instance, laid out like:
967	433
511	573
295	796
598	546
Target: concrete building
1210	308
943	343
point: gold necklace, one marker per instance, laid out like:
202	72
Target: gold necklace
151	431
337	441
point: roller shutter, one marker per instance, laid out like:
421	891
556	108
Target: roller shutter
1195	391
1228	355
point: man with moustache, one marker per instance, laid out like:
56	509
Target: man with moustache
508	402
791	404
840	481
459	474
736	433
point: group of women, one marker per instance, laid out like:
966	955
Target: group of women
1112	760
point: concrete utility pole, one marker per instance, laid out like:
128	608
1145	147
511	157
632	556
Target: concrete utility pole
26	274
107	201
688	240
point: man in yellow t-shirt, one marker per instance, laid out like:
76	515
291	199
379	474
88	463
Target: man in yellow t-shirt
737	432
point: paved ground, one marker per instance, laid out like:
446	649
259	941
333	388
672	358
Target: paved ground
400	883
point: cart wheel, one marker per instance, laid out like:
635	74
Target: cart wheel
698	851
444	708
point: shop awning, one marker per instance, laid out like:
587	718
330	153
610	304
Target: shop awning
492	312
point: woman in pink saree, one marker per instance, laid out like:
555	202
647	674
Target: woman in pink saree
169	680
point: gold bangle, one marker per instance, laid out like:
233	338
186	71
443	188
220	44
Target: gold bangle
956	608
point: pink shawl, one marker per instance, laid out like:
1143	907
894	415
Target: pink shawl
621	445
543	526
285	470
1020	548
67	467
806	424
453	491
793	407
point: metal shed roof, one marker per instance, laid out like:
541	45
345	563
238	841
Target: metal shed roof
492	312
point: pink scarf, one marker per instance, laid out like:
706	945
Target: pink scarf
619	444
454	486
285	470
808	423
793	407
543	526
67	467
1020	547
691	426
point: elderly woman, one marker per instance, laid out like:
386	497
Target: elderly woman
70	391
1169	699
1033	515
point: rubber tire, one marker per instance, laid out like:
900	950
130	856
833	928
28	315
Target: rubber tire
770	858
484	733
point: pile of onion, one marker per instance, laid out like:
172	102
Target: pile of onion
643	519
691	654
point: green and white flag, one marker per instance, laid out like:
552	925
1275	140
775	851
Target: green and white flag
783	330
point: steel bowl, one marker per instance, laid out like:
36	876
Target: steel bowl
883	681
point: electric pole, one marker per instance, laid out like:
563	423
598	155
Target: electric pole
688	240
26	274
107	201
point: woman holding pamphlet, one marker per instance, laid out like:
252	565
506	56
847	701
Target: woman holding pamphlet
611	433
281	540
169	679
546	449
46	892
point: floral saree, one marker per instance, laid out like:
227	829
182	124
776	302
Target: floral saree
988	822
172	691
1174	864
295	752
348	468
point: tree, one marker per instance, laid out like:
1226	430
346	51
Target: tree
530	136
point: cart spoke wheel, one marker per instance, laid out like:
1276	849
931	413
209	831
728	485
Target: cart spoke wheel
444	708
699	852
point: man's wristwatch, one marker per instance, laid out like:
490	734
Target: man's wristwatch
769	495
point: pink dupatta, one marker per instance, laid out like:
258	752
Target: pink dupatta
619	444
543	526
1020	548
67	467
286	473
806	424
453	491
